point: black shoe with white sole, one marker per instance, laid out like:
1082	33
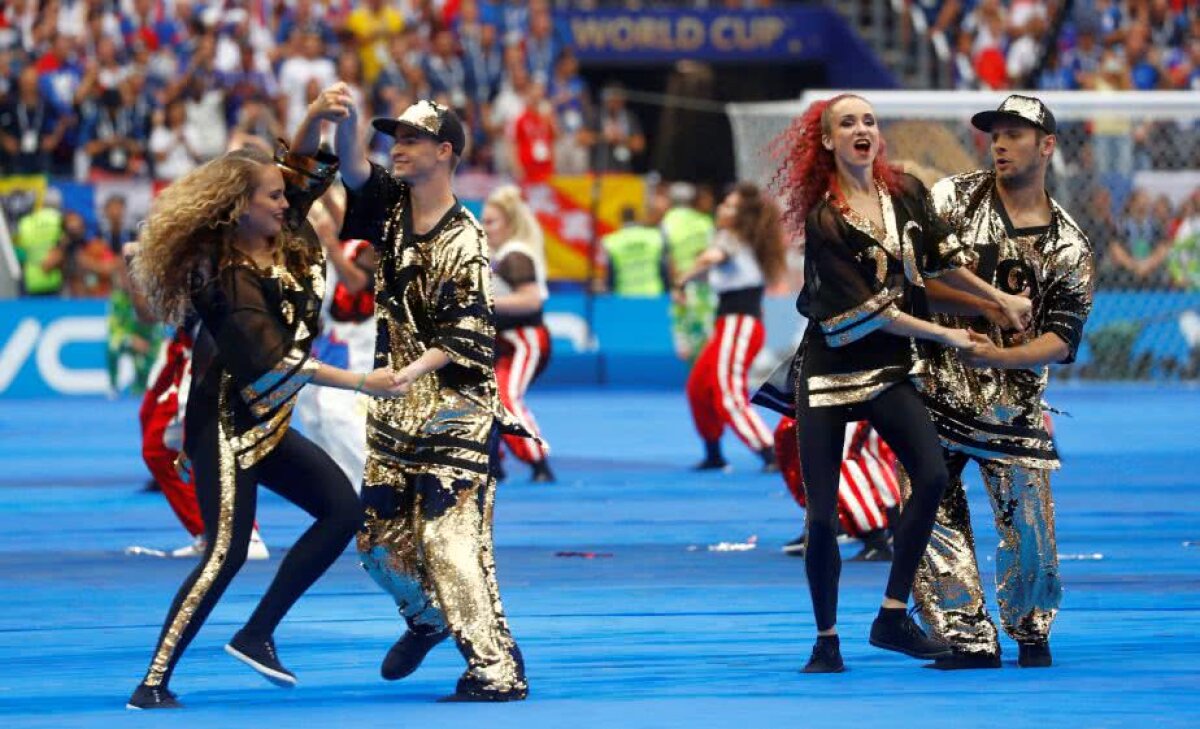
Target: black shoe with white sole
876	547
259	654
796	547
152	697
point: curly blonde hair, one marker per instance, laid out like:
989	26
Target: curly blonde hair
188	238
522	223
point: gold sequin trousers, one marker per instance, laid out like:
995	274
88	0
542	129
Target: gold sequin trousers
948	589
427	541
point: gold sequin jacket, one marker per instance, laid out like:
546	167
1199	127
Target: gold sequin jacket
993	413
431	291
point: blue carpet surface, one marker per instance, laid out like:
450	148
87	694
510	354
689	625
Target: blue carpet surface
653	631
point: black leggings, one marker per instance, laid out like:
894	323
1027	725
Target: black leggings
900	417
298	471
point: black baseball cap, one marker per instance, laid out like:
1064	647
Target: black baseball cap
1026	108
429	118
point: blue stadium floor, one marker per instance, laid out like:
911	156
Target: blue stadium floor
658	634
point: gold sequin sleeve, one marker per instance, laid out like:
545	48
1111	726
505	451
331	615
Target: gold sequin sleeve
462	316
261	355
840	296
1067	300
939	248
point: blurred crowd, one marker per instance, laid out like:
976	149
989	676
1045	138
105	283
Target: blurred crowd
1097	45
1144	239
103	89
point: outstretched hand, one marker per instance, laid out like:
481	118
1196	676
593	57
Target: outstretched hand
956	338
983	352
385	382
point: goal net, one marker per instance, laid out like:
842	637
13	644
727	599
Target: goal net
1127	168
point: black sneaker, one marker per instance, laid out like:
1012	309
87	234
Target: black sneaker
470	691
960	661
876	548
895	630
770	461
1035	654
152	697
542	473
259	654
826	656
714	460
796	547
407	654
712	464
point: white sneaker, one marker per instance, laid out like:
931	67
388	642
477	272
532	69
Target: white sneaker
191	551
258	548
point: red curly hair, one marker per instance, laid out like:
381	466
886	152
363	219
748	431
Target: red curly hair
807	170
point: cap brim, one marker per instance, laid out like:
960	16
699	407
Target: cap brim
984	120
392	127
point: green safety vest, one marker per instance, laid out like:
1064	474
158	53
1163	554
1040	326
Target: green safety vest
688	232
635	253
37	235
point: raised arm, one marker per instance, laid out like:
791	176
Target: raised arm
335	104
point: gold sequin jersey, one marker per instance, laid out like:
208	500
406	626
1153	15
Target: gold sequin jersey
992	413
431	291
858	278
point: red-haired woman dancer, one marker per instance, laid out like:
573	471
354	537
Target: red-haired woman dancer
871	239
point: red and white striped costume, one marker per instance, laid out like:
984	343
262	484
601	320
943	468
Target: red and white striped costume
161	416
868	485
717	388
522	344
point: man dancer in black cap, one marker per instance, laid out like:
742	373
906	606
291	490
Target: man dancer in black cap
987	402
429	486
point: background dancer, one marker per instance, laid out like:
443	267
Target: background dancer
429	489
987	405
522	339
746	256
868	489
336	420
864	299
217	244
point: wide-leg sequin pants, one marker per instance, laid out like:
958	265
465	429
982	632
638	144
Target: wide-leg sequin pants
427	541
948	588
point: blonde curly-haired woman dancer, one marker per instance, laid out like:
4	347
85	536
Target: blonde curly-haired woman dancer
228	241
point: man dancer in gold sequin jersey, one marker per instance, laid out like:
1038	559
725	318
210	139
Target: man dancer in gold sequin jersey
429	487
987	402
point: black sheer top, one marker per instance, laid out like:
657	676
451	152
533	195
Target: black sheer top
857	279
252	354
